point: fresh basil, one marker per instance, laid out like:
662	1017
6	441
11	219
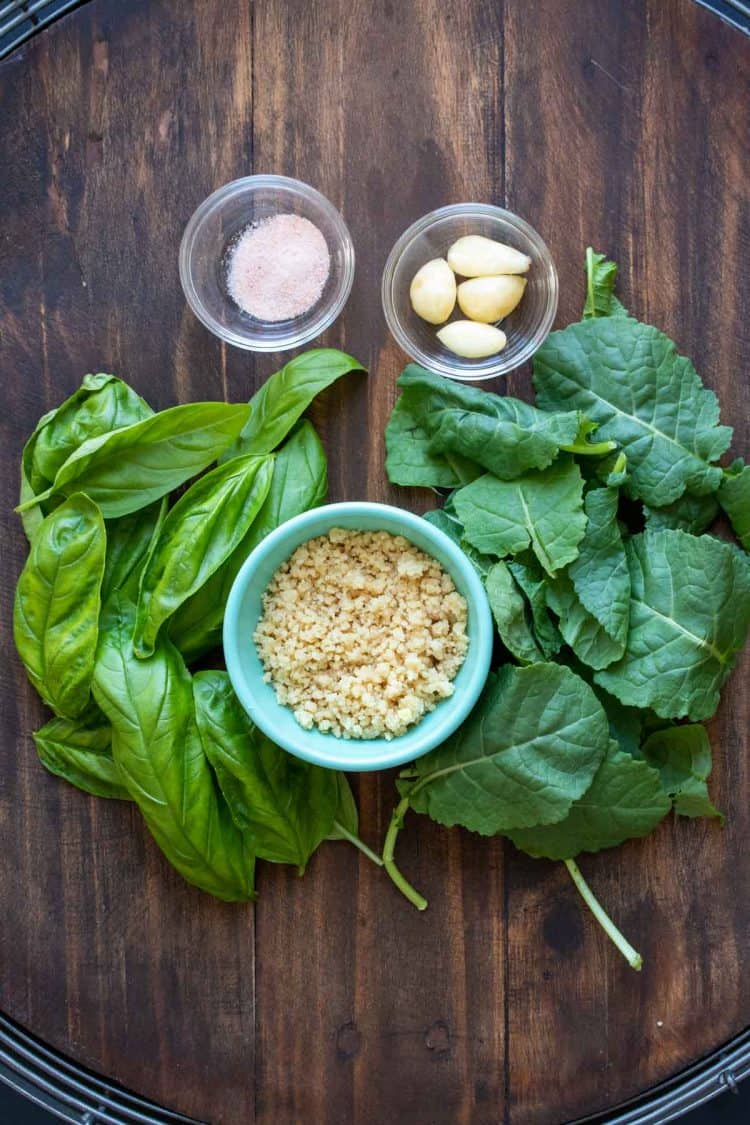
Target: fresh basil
56	609
284	397
130	468
197	536
80	751
299	482
128	542
160	758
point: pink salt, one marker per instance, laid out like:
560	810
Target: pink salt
278	268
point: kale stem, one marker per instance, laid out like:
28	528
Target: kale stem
347	835
397	820
632	956
590	448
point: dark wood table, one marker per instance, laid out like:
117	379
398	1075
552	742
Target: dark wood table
333	1002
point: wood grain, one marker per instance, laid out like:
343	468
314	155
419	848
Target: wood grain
622	125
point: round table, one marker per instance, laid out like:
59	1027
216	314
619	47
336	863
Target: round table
621	125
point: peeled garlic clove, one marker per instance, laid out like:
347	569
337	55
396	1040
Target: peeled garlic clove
488	299
433	291
471	340
477	256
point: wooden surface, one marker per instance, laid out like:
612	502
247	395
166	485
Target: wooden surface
624	125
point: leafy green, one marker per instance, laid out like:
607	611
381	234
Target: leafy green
600	574
199	534
128	469
508	607
283	397
410	460
533	582
601	275
56	609
285	806
128	541
448	522
529	750
682	755
734	497
628	378
586	636
689	513
543	510
160	758
80	751
299	482
504	435
624	801
689	614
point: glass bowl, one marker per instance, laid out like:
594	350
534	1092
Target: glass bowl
244	607
213	230
430	237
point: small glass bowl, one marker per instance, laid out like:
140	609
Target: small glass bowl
213	230
430	237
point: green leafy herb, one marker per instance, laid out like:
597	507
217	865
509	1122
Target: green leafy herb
285	806
56	610
128	543
130	468
299	482
734	497
682	755
628	378
160	758
80	751
601	275
542	510
199	534
624	801
283	398
689	614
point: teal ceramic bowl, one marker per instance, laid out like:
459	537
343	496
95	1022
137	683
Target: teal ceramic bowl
246	671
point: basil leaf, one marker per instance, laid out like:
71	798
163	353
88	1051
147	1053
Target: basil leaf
624	801
128	541
600	574
410	460
682	755
346	823
508	607
56	610
628	378
286	806
529	749
689	513
103	403
199	533
504	435
80	751
284	396
128	469
542	510
299	482
160	758
689	614
734	497
601	275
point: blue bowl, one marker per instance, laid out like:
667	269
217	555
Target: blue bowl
259	699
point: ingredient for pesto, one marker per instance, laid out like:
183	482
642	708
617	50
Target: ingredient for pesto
471	340
120	593
433	291
362	634
610	634
489	299
474	255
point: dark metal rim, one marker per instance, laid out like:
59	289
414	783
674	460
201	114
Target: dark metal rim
76	1095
